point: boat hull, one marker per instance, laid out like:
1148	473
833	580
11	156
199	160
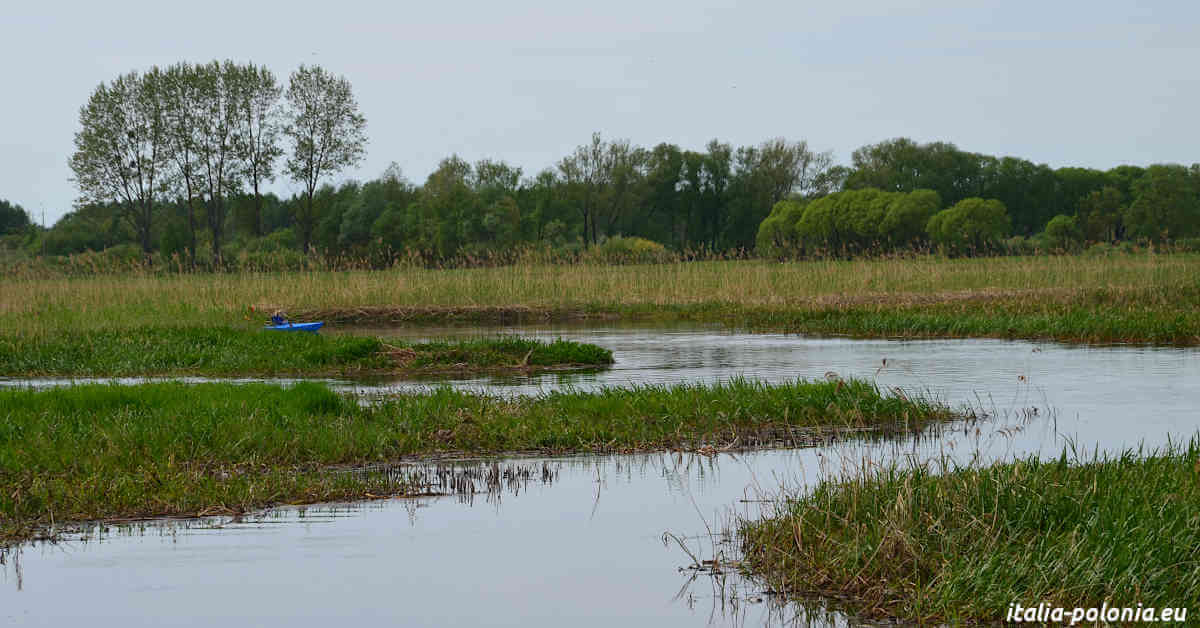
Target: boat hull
313	327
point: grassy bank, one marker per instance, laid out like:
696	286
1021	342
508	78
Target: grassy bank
216	351
90	452
965	544
1142	298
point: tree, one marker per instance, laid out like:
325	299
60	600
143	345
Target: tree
1100	214
971	225
327	133
777	235
1167	203
181	84
902	165
121	148
906	217
13	218
585	175
1063	233
218	94
259	126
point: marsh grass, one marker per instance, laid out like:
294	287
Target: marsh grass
233	351
936	543
97	451
1143	298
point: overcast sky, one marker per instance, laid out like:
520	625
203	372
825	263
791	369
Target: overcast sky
1065	83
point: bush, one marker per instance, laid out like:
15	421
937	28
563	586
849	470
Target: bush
907	215
777	235
1186	245
628	250
1104	249
1063	233
858	220
973	225
282	239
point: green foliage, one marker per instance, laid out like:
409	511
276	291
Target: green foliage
629	250
858	220
906	217
1100	214
777	237
973	225
178	449
223	351
947	544
13	219
1063	233
1167	204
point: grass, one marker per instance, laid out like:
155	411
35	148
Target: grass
101	452
228	351
961	544
1143	298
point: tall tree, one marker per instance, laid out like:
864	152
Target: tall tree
13	218
259	126
327	133
584	174
121	148
181	86
1167	204
219	88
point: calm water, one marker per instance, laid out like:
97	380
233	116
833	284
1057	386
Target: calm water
587	548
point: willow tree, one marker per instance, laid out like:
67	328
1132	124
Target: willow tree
327	134
121	148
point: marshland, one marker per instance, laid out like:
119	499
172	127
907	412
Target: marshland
722	384
107	453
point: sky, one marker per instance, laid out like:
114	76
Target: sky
1094	84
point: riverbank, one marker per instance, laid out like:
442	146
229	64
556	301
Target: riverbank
960	545
169	449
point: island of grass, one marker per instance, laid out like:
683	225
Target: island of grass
222	351
169	449
963	544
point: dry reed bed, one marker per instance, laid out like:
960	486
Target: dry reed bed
1162	285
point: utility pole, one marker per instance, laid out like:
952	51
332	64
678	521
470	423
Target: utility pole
43	230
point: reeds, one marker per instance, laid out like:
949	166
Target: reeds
941	543
1147	298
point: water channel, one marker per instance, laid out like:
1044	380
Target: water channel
581	541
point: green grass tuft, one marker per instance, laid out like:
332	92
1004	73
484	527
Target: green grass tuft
227	351
961	544
97	451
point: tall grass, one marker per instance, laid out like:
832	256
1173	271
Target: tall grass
93	451
921	543
1147	298
230	351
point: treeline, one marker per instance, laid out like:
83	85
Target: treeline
904	195
197	138
171	164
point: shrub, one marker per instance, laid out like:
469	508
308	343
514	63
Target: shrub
777	235
1063	233
858	220
973	225
628	250
1186	245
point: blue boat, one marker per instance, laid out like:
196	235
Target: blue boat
278	323
313	327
